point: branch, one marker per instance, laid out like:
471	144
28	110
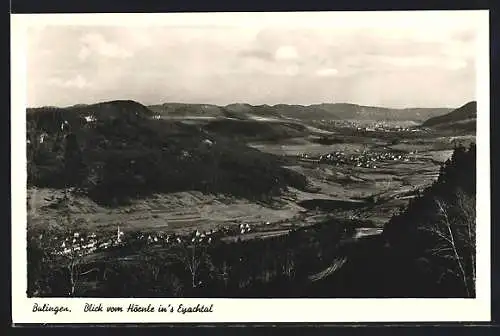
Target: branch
437	232
92	270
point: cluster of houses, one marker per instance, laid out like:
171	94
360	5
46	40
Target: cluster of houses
82	244
245	228
372	126
78	244
386	129
196	236
364	159
382	126
161	238
90	118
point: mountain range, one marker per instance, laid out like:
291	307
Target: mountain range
324	111
429	117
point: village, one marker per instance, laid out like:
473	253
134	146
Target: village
372	125
364	159
84	244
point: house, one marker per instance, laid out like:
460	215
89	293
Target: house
90	118
42	137
208	142
119	235
64	125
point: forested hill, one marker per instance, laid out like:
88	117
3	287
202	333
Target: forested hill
462	118
49	119
114	151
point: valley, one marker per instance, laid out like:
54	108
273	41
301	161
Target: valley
235	181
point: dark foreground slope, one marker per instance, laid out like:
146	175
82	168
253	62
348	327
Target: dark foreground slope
463	118
125	153
428	250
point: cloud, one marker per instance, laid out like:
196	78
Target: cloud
77	82
328	72
96	43
456	64
292	70
436	61
286	53
258	54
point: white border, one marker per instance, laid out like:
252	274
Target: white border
247	310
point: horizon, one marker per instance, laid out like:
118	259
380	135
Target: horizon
240	103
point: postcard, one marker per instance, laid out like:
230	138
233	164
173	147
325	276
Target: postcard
250	167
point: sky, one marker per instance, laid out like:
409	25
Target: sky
397	60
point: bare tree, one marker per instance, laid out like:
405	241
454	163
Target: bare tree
193	256
68	246
467	211
65	251
225	273
455	238
155	270
153	262
288	267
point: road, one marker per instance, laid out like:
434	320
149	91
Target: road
338	262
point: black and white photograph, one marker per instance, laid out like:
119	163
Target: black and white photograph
328	155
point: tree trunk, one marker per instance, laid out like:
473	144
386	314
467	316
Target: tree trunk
71	280
193	280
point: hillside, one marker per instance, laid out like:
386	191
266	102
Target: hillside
255	130
312	112
49	119
462	118
301	112
123	154
192	110
360	112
